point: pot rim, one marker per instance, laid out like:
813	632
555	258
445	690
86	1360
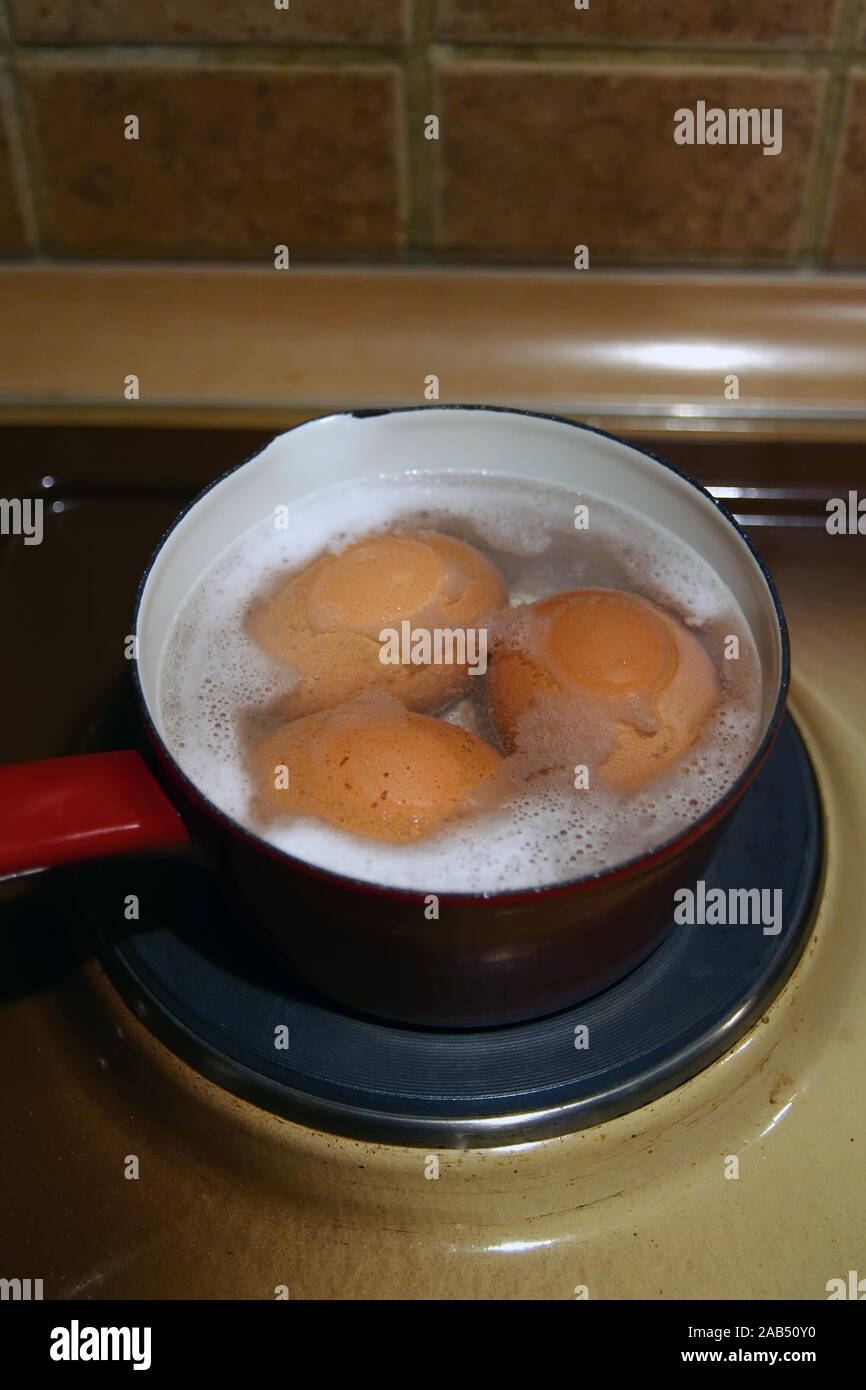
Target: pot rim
601	878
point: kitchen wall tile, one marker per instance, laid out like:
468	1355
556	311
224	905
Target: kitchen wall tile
772	22
227	163
535	161
180	21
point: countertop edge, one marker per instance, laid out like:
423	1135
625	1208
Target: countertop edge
763	355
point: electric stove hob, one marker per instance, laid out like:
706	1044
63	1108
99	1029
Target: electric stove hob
199	980
233	1200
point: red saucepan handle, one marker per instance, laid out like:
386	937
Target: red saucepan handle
65	809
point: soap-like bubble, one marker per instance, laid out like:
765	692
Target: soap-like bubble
218	690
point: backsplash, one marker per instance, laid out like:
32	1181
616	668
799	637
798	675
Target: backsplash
501	132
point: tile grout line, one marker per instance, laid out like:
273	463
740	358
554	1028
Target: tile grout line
497	263
829	142
698	55
528	54
821	176
205	56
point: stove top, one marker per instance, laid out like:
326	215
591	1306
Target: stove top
371	1161
193	972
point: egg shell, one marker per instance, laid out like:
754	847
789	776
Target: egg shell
612	658
324	623
373	768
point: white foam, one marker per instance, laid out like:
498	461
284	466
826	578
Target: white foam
211	673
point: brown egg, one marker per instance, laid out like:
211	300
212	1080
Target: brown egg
630	676
325	622
375	769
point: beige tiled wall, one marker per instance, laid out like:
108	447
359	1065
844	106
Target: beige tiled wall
260	126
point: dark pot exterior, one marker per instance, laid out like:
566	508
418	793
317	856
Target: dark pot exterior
484	960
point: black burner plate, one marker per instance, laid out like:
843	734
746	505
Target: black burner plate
192	974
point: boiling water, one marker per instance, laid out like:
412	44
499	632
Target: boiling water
215	684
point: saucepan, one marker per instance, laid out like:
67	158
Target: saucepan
488	958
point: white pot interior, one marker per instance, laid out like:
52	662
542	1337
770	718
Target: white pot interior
344	448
